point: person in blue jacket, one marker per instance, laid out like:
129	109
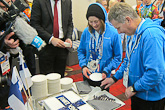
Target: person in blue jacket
143	69
100	49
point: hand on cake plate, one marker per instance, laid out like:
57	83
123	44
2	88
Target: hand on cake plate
86	72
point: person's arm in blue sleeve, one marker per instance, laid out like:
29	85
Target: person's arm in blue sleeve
117	59
119	74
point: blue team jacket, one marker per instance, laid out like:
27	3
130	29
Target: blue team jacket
112	47
147	63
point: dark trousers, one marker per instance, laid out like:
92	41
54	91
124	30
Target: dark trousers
29	56
140	104
4	94
53	60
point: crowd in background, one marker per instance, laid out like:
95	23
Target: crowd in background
144	8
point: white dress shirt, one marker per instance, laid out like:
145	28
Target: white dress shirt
61	35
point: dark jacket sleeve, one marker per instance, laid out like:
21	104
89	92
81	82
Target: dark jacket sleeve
41	19
67	21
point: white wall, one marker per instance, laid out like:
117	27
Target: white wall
131	2
79	8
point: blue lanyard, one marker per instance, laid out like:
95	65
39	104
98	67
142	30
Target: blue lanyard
130	41
95	47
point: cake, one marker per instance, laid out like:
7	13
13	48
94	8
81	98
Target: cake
66	101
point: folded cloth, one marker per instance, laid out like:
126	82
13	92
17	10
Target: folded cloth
103	105
83	87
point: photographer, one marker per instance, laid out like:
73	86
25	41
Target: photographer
4	87
10	42
6	45
7	40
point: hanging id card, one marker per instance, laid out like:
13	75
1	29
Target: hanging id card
5	66
93	65
125	78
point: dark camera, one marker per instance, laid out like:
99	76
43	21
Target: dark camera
15	21
6	18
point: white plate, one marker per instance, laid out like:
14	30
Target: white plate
39	78
53	76
96	76
66	83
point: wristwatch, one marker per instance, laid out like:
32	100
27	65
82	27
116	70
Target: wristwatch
132	89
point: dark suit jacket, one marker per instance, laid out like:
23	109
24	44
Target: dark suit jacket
42	18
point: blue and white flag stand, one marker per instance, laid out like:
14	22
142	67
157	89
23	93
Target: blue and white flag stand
15	99
21	80
26	78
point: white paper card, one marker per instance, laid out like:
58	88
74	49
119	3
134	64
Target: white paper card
125	79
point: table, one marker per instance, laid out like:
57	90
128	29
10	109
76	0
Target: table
96	91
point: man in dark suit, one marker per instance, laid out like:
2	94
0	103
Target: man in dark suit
52	58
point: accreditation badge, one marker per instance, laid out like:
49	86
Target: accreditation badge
125	78
93	65
5	66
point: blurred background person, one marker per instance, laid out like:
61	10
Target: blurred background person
139	7
149	10
104	3
112	3
138	2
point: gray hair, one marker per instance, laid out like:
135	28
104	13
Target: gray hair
120	11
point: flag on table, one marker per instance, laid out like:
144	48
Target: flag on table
15	99
25	73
